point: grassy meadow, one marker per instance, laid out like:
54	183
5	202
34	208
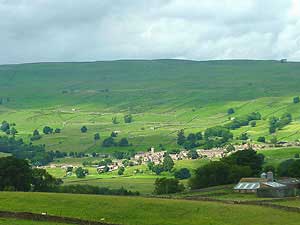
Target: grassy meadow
163	97
142	182
276	156
144	211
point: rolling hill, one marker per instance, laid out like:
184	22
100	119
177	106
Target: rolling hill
163	96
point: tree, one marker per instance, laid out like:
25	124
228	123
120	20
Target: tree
158	169
199	136
191	137
5	126
272	129
108	142
217	136
57	130
83	129
248	158
168	163
183	173
230	111
296	99
180	137
80	172
121	171
15	174
36	132
47	130
167	186
123	142
230	148
218	173
192	154
294	169
36	135
244	136
273	140
128	118
114	120
114	134
261	139
96	137
253	123
150	165
283	168
13	131
42	181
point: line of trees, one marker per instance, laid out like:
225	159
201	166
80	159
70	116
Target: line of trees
243	121
228	170
18	175
36	154
278	123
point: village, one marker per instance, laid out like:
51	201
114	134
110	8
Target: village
157	157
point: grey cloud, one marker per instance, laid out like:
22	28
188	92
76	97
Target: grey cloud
73	30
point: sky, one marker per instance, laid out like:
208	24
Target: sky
89	30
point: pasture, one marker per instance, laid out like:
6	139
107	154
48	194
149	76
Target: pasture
144	211
142	181
163	97
276	156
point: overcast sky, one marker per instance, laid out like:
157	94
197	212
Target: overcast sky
76	30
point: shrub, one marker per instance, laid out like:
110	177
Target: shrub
47	130
253	123
183	173
296	99
167	186
83	129
80	172
128	118
192	154
121	171
230	111
261	139
57	130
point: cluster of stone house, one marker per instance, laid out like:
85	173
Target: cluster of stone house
109	168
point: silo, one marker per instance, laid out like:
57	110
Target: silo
270	176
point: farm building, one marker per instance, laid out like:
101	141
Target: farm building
249	185
265	186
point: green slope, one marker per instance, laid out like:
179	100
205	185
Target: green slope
163	96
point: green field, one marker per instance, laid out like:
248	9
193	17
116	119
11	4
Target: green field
4	154
142	182
144	211
162	95
276	156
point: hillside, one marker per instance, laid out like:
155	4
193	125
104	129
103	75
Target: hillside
163	96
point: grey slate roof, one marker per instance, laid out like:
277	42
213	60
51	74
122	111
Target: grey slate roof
247	186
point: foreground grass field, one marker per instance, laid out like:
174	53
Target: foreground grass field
144	211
